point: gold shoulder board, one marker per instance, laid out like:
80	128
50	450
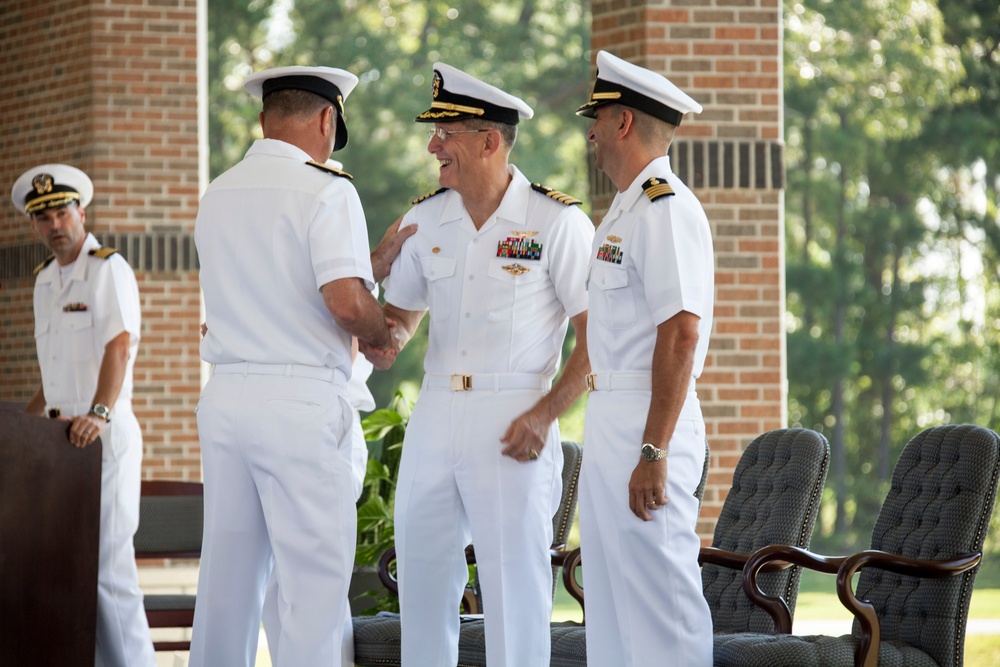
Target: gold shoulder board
102	253
428	196
657	188
335	172
48	260
555	194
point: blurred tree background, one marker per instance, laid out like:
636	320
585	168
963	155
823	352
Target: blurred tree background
892	238
892	150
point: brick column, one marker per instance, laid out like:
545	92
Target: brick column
110	86
727	55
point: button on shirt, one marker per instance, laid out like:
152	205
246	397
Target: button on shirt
76	317
270	233
490	313
650	260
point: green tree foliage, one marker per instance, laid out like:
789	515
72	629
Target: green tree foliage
536	49
890	122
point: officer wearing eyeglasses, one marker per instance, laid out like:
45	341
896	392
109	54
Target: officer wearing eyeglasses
500	264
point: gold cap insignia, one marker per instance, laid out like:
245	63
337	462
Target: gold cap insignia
436	85
42	183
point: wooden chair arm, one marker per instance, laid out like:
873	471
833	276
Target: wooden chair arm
767	557
469	603
570	563
385	574
867	652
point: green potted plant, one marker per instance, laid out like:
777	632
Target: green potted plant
384	430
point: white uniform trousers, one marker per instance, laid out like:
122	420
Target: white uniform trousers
644	601
272	597
122	631
455	485
276	456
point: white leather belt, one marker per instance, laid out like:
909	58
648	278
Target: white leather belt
624	382
325	373
486	381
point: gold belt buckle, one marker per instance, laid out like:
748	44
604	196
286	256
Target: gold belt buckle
591	386
461	382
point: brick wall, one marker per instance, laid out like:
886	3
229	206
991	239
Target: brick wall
110	86
727	55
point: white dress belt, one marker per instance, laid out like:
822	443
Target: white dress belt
624	381
486	381
334	375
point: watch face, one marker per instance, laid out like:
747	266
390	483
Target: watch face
101	411
649	452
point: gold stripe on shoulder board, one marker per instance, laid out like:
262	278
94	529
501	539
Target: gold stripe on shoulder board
428	196
38	269
102	253
657	188
560	197
327	168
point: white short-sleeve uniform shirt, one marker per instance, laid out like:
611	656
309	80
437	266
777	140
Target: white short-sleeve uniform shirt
498	297
77	313
272	231
650	261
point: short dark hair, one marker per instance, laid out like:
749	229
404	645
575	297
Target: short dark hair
293	102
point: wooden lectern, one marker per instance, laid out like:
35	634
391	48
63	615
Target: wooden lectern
50	508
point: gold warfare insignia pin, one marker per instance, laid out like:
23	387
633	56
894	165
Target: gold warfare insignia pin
525	235
515	269
436	85
615	239
42	183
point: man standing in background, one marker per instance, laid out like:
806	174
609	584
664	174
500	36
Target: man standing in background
87	322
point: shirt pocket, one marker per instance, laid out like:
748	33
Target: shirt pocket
439	272
511	286
609	285
79	327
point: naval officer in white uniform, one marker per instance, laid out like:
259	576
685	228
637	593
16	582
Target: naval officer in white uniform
287	280
500	265
651	287
87	322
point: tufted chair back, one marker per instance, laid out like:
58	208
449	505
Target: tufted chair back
774	499
939	506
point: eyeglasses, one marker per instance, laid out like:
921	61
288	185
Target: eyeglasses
443	134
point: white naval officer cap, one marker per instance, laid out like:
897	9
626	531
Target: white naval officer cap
330	83
621	82
460	96
51	186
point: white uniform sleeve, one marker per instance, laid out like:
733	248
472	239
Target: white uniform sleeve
117	295
338	236
569	258
406	287
669	253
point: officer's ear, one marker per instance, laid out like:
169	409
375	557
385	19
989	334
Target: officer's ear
493	142
328	121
